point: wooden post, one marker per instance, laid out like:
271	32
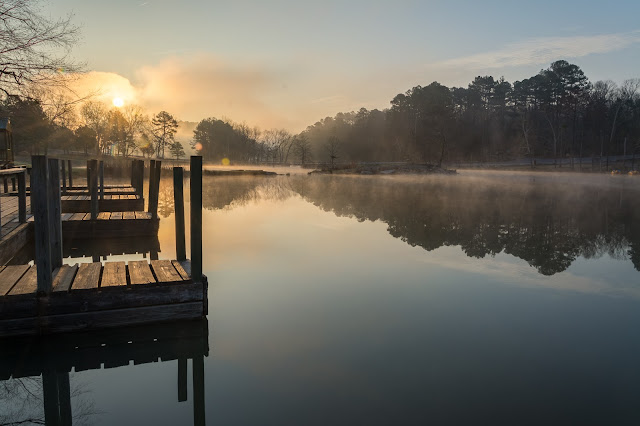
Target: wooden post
55	213
93	187
141	177
196	217
198	391
154	189
152	167
70	174
178	202
40	209
22	197
182	379
88	175
102	180
13	183
133	173
6	185
64	177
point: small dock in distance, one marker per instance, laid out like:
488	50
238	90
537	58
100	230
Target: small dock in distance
50	297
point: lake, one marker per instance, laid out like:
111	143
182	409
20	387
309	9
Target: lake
483	298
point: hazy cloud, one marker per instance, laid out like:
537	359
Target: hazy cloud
544	50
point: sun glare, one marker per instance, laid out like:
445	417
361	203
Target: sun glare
118	102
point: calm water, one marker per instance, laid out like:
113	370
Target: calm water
486	298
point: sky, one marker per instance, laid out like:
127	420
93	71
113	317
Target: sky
290	63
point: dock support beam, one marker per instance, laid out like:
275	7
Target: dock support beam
22	197
39	206
101	180
154	187
178	202
196	217
70	174
92	172
55	213
64	177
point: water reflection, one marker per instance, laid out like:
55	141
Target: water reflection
35	371
548	221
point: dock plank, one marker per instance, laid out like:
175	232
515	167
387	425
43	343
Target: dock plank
9	276
63	277
140	273
128	215
116	215
77	216
185	276
114	275
88	276
104	215
165	271
28	284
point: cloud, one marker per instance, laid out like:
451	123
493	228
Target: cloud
199	85
543	50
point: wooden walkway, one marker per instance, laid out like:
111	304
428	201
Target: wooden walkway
110	203
93	295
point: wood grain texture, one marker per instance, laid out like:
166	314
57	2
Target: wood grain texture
10	276
114	274
28	284
63	277
165	271
88	276
140	273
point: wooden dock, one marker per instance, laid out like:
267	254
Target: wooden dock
50	297
93	295
108	203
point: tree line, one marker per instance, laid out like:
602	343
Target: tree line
557	113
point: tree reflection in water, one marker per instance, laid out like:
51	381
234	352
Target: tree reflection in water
548	221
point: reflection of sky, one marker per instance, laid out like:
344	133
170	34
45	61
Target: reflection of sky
318	319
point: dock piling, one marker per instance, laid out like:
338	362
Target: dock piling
101	180
55	213
178	202
92	171
64	177
70	174
154	187
22	197
196	217
42	233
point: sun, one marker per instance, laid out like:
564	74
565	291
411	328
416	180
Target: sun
118	102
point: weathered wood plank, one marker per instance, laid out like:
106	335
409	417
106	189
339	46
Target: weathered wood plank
88	276
10	276
114	274
140	273
176	264
128	215
120	317
28	284
116	215
63	277
104	215
121	297
77	216
165	271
